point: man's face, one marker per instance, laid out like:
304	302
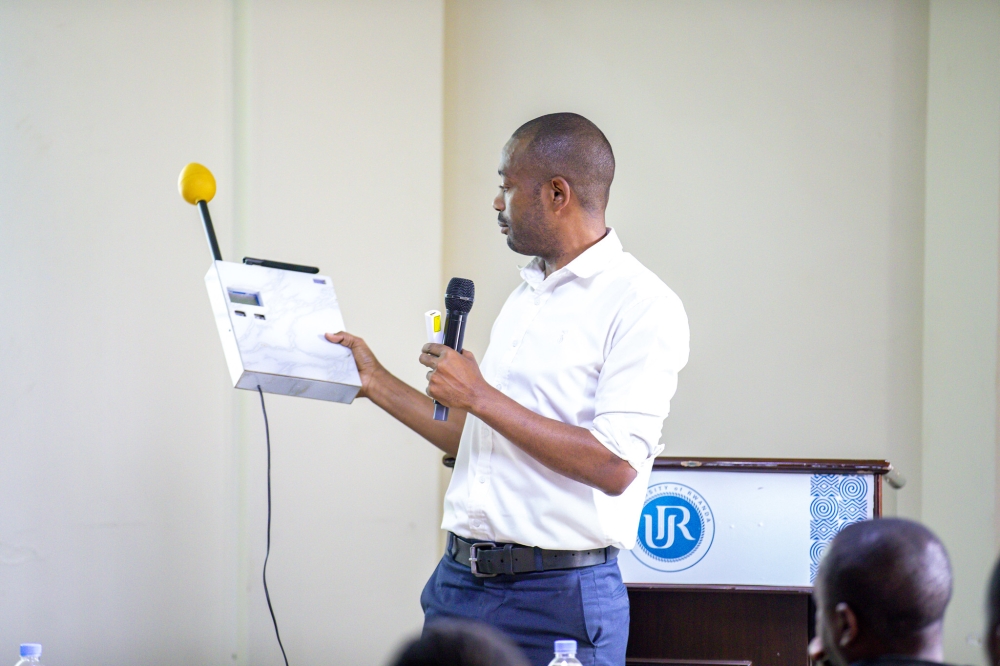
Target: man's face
521	214
824	647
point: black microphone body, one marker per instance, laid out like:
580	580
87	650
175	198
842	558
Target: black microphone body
458	301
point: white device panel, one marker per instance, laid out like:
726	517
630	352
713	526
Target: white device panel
272	324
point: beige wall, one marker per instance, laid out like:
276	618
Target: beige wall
132	476
115	533
960	306
345	130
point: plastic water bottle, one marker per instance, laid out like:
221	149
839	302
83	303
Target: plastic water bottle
565	654
30	652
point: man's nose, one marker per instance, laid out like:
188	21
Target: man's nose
498	202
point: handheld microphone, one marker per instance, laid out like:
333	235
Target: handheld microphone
458	300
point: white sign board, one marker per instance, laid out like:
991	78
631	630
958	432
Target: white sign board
742	528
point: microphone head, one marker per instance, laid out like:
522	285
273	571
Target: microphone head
460	295
196	183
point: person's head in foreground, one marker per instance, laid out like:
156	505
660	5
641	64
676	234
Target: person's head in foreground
881	591
993	617
460	643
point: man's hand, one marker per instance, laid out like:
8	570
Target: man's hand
454	379
368	365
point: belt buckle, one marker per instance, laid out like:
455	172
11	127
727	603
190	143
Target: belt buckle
473	560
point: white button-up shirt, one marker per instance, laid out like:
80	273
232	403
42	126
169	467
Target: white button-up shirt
596	344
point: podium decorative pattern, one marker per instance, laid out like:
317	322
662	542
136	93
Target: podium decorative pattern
837	501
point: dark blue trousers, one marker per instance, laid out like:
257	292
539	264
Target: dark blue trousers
588	605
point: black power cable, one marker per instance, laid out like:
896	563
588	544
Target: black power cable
267	595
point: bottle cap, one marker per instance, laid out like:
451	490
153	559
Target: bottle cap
566	646
31	649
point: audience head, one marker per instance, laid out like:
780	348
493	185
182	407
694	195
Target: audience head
460	643
882	588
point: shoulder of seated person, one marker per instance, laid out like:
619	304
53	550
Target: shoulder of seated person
897	660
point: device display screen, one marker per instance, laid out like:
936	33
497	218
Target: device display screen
244	297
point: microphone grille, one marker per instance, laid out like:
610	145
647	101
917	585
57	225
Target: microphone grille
460	294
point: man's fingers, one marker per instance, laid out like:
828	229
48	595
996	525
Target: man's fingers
342	338
434	348
429	360
469	355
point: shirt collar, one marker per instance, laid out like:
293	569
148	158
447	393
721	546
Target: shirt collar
591	261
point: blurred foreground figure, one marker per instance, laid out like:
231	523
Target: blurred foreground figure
992	640
461	643
881	592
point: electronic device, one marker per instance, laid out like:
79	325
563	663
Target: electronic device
272	317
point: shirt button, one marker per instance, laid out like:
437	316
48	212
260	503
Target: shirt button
514	343
482	479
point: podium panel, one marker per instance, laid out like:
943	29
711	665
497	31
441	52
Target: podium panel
720	527
727	552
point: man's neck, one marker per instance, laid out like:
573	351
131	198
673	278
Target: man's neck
928	645
576	243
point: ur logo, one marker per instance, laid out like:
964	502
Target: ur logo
676	528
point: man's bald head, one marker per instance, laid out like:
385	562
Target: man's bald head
892	573
568	145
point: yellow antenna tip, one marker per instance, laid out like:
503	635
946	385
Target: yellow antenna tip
196	183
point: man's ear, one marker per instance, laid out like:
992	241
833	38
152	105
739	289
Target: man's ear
560	194
845	625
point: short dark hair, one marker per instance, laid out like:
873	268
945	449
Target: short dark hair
893	573
569	145
456	642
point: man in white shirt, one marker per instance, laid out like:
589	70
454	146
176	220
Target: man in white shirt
556	431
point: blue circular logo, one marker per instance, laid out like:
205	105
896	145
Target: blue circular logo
676	528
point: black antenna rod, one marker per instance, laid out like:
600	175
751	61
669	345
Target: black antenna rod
206	219
197	187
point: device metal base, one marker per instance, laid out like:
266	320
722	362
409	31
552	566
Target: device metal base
295	386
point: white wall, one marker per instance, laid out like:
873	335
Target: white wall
133	476
770	170
960	307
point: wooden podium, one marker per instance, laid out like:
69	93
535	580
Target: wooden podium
728	549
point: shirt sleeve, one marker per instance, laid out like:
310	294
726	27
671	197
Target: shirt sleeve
649	346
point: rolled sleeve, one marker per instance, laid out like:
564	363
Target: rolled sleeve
648	348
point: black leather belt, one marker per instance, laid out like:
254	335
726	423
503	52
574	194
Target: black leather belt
486	559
